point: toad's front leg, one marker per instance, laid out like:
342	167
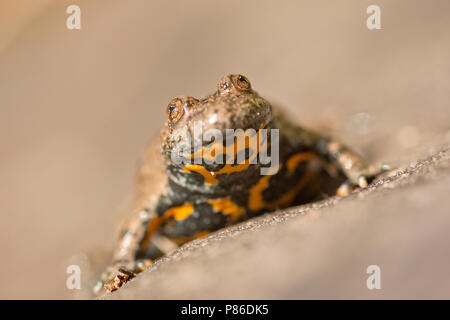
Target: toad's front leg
149	236
358	172
128	258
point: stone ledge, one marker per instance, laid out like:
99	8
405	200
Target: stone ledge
322	250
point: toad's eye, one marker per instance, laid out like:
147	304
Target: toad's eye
241	82
175	110
179	106
234	83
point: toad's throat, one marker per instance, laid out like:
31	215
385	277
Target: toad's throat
210	176
243	141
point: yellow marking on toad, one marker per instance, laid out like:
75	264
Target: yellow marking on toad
293	162
208	175
209	153
151	229
256	200
228	207
180	212
182	240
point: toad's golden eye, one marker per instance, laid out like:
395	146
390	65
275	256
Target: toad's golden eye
234	83
175	110
240	82
179	106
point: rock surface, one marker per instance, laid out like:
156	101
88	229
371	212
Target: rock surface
78	106
400	223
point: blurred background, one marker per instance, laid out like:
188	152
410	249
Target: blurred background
78	106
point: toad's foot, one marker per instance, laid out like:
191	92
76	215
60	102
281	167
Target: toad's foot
120	273
122	277
363	180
